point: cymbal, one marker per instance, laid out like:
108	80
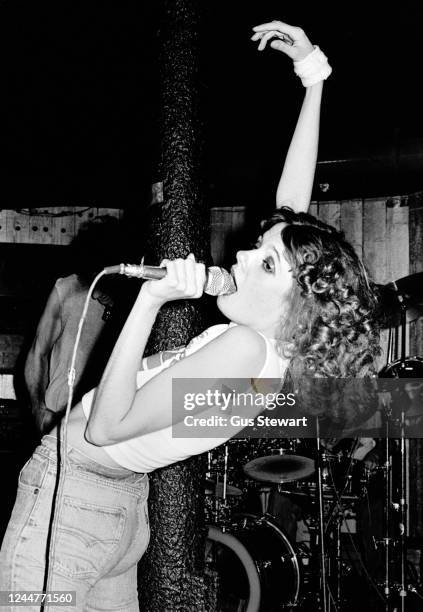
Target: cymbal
213	488
408	291
411	286
279	468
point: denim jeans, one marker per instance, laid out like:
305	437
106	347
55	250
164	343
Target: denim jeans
103	531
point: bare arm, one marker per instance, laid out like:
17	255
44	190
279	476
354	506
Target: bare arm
296	182
120	411
37	362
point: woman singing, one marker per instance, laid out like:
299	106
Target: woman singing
301	297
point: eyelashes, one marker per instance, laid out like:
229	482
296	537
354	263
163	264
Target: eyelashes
268	264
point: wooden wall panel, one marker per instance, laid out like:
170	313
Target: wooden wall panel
374	239
17	226
54	225
352	223
375	257
397	224
63	226
3	231
40	230
330	213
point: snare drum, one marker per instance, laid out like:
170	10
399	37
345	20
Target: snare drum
342	477
257	566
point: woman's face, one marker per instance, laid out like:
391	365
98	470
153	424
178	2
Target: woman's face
264	282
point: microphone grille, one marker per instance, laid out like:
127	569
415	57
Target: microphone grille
219	282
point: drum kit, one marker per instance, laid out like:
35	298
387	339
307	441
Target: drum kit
269	568
279	510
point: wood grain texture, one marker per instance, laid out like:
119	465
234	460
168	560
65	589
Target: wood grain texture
352	223
53	225
330	213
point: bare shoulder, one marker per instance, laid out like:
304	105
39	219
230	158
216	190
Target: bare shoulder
242	350
239	352
245	337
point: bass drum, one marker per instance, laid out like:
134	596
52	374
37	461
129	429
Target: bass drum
257	567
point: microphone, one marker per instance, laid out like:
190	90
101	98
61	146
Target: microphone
218	280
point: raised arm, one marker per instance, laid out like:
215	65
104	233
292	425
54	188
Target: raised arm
296	182
120	411
37	362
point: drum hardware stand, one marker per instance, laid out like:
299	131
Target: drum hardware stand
387	541
403	514
403	498
323	581
403	493
222	505
338	558
402	506
264	499
340	517
216	503
225	474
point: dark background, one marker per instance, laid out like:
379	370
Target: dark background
80	89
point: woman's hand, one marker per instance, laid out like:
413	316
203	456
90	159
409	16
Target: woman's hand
185	279
286	38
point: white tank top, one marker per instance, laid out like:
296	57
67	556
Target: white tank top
158	449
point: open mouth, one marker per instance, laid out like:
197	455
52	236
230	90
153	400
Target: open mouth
232	271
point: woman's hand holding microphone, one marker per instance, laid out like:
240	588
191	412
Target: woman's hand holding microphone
185	279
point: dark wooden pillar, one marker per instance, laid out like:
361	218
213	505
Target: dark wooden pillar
171	573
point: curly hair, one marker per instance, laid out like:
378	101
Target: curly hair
330	328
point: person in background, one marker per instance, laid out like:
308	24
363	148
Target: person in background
97	244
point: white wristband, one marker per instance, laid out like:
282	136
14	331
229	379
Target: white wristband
313	68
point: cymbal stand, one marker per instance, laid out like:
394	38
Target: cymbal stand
323	583
337	554
403	514
225	473
222	505
387	540
403	492
403	496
